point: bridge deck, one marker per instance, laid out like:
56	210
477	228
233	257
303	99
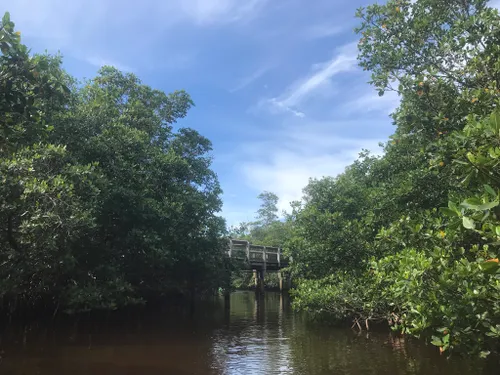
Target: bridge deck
257	256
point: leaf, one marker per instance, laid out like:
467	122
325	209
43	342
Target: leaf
490	266
471	157
470	202
467	179
492	153
476	204
468	223
436	341
484	354
6	18
495	121
453	206
487	206
448	212
490	190
446	338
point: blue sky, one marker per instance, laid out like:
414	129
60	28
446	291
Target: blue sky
275	82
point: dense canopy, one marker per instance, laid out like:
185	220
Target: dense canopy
102	202
412	238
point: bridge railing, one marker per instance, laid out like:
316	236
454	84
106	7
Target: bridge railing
257	254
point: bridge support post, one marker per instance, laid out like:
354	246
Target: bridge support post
258	276
227	304
262	274
285	281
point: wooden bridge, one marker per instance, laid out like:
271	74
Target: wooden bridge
260	259
257	256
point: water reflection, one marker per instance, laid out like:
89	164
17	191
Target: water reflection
256	343
248	334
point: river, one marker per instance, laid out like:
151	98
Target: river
250	336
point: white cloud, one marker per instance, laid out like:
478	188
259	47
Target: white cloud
372	102
210	11
234	215
322	31
248	80
311	150
85	29
66	15
54	19
277	106
100	62
319	79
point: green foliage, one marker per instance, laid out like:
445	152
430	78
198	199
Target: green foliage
339	297
42	218
334	209
268	211
31	87
267	229
437	40
412	237
435	293
243	279
102	203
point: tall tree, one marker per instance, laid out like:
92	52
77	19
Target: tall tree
41	215
268	211
102	203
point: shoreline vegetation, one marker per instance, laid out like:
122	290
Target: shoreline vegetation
411	238
104	204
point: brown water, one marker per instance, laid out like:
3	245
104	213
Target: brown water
253	336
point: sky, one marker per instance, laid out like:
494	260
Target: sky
275	82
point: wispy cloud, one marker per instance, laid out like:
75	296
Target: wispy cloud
322	31
371	102
200	45
248	80
69	14
320	76
210	11
234	214
277	106
305	150
85	29
100	62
